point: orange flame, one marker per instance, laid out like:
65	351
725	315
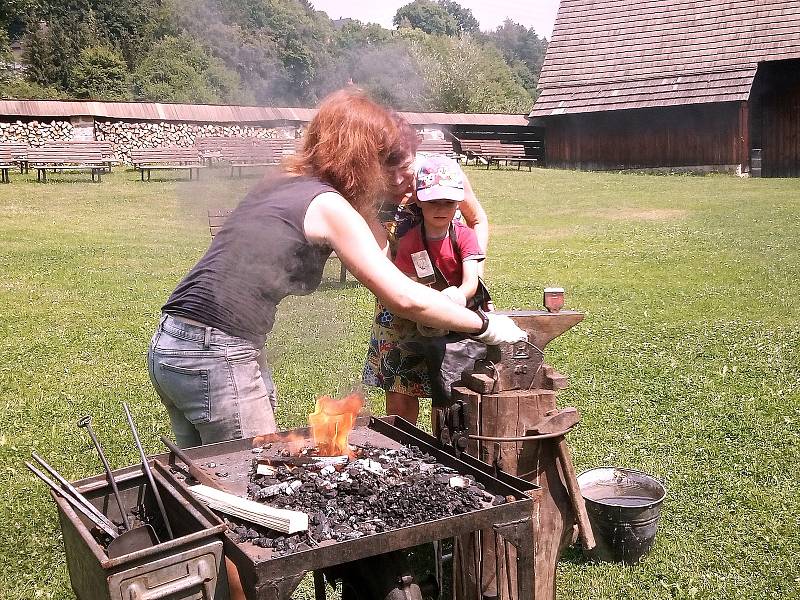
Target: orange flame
332	421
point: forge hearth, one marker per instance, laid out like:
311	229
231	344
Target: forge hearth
376	491
401	489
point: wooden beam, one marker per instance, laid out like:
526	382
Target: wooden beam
279	519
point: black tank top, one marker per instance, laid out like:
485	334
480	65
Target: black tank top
258	257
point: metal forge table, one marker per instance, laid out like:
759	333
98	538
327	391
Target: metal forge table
266	577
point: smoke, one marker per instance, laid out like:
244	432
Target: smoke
388	73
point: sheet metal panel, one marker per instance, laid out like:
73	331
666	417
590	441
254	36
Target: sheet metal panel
208	113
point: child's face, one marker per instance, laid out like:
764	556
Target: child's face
437	214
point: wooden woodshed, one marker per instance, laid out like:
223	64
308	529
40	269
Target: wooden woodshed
696	84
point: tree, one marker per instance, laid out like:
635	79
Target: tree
522	49
127	25
427	16
53	45
178	69
278	47
355	34
18	88
465	76
303	38
389	73
466	21
15	16
39	55
100	74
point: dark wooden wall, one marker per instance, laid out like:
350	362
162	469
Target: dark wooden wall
775	118
703	135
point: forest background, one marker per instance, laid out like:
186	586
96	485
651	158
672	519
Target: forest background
264	52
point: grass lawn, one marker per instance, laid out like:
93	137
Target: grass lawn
687	365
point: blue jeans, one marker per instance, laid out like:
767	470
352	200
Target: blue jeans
215	386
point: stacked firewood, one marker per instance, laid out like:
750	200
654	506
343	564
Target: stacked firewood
35	133
127	136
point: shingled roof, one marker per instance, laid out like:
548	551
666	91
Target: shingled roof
621	54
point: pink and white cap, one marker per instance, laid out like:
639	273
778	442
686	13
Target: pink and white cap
439	178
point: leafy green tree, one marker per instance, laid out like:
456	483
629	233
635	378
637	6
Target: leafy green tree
39	55
278	47
178	69
523	50
14	16
427	16
466	21
18	88
355	34
53	45
303	38
5	46
100	74
6	59
128	24
463	75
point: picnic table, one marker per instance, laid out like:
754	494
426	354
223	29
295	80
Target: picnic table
12	156
105	148
168	158
61	157
214	148
496	151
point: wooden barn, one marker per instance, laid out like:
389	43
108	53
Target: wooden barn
695	84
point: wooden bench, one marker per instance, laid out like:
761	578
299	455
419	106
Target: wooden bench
62	158
266	152
168	158
282	147
212	148
12	156
497	151
105	148
437	147
471	149
217	218
249	157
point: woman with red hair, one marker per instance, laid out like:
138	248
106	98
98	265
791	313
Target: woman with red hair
206	359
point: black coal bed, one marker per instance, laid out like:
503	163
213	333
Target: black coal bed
401	489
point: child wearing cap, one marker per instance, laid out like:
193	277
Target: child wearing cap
450	247
440	252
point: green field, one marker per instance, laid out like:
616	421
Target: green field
686	366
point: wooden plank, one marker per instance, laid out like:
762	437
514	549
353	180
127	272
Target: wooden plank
278	519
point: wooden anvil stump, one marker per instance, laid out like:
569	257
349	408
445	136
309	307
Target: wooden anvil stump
512	423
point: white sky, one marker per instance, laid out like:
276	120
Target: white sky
539	14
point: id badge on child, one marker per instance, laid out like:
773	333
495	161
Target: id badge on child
424	267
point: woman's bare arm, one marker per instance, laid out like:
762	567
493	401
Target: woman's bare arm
475	216
331	220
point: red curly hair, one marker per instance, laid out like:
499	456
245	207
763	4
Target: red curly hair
353	143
